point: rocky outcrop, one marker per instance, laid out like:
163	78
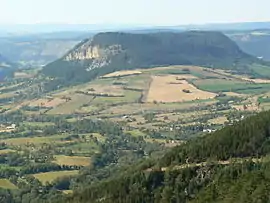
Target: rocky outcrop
91	52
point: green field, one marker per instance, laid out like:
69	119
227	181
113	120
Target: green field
263	71
136	133
169	71
38	124
77	101
34	140
85	148
129	97
6	184
51	176
264	100
221	85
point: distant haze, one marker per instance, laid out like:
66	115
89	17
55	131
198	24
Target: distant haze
112	14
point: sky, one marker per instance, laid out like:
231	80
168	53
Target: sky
143	12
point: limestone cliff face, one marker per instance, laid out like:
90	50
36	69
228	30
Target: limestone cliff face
89	51
84	53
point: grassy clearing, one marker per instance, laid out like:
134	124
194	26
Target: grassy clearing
38	124
129	109
136	133
103	81
72	160
220	85
6	184
151	140
104	101
7	95
138	81
99	137
170	71
129	97
6	151
264	99
51	176
263	71
34	140
255	89
219	120
77	101
89	109
86	148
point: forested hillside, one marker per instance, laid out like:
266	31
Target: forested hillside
109	52
230	180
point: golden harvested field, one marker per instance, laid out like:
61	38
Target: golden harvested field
72	160
22	75
51	176
6	151
219	120
47	102
169	89
6	184
7	95
122	73
67	192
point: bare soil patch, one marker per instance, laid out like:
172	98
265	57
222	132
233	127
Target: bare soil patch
122	73
166	89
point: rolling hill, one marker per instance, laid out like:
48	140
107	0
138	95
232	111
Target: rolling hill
109	52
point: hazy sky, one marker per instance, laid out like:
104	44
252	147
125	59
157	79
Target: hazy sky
156	12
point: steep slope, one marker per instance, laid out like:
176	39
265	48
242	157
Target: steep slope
4	62
240	180
108	52
6	68
256	43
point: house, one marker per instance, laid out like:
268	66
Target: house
11	127
208	130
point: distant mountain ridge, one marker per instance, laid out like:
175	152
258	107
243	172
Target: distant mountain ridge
40	49
255	42
113	51
4	63
6	68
